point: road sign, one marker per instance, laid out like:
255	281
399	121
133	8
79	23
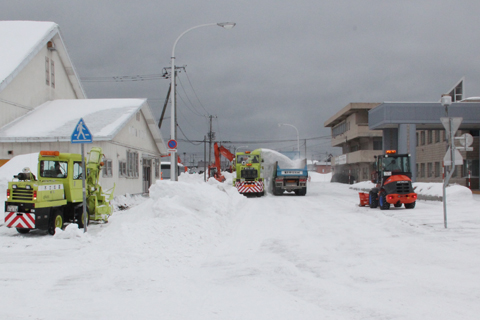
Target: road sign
172	145
451	124
447	159
81	134
466	141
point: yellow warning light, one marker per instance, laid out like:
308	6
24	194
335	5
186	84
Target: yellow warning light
50	153
249	164
247	152
391	151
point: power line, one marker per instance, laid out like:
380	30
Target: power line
127	78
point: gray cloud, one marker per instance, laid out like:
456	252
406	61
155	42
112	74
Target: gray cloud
292	62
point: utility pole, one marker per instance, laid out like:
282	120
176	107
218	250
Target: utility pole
211	137
205	158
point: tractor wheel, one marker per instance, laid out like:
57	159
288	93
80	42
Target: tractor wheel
397	205
56	222
410	205
372	200
382	201
23	231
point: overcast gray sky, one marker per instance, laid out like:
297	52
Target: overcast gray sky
295	62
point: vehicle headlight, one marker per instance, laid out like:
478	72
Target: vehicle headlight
28	187
14	186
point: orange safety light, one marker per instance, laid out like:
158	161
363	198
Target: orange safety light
249	164
247	152
391	151
50	153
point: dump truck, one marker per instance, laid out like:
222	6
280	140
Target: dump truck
55	196
393	179
248	177
290	179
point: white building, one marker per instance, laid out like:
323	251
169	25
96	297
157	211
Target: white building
42	100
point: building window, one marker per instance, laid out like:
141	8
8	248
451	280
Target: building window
132	164
377	145
47	71
341	128
138	116
429	136
437	169
417	139
122	169
422	170
52	73
422	138
429	169
472	166
107	171
437	135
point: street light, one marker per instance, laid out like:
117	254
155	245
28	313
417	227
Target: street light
298	138
173	160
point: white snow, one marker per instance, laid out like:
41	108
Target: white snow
19	39
103	117
196	250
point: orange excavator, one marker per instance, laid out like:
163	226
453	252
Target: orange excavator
214	170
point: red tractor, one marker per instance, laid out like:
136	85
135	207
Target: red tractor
393	178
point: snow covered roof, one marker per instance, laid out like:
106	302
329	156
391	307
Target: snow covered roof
22	40
56	120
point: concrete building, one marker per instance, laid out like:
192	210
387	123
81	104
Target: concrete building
359	144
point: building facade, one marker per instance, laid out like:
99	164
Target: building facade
359	144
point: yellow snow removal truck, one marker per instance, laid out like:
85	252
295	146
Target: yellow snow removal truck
55	196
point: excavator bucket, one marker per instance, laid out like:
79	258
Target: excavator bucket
363	199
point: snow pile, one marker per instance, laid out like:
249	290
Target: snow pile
427	190
455	192
71	232
123	202
320	177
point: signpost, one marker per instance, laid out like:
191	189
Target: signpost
82	135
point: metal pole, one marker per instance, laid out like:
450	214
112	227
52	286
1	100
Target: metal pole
173	125
84	209
205	158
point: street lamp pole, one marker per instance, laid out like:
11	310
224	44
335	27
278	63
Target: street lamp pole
173	124
298	137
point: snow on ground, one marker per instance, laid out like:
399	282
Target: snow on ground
196	250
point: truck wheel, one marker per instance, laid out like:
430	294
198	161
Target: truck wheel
80	221
23	231
410	205
372	200
382	201
56	222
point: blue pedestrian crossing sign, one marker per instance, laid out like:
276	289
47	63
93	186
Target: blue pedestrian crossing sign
81	134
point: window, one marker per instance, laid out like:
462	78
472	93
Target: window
52	73
341	128
107	171
47	71
437	169
472	166
77	170
422	138
437	135
430	169
122	169
429	136
417	140
422	170
377	145
53	169
132	164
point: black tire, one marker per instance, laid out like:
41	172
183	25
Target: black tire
301	192
79	221
397	205
372	200
56	221
410	205
382	201
23	230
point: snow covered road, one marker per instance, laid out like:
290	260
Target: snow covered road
201	251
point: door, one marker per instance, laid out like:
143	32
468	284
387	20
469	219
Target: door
147	174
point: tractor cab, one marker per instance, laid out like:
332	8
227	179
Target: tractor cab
391	164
